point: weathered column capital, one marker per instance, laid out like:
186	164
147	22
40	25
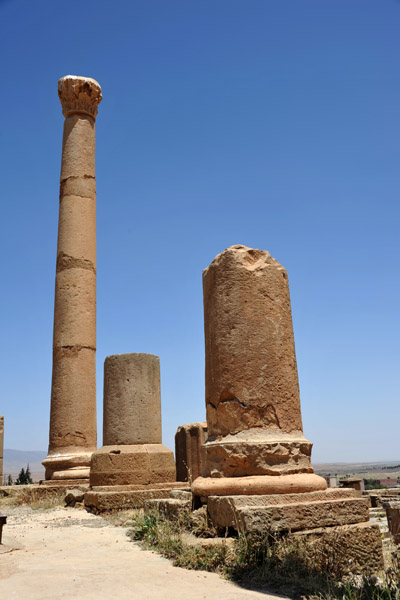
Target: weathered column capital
79	95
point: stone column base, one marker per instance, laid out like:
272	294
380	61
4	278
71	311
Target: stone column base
67	465
258	485
257	452
140	464
336	521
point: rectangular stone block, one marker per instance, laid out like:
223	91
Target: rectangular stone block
265	514
189	454
106	501
223	509
355	549
393	517
140	464
305	515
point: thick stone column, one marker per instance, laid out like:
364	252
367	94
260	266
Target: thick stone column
132	453
73	394
256	443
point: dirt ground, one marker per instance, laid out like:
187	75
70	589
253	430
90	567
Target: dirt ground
69	553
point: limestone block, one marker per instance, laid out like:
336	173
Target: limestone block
132	399
353	548
223	509
189	439
141	464
75	308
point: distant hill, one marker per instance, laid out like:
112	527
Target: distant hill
384	469
15	460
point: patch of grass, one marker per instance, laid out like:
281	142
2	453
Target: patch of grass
34	497
158	533
282	564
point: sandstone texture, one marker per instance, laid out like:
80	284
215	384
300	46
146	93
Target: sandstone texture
189	440
251	370
258	484
140	464
393	517
254	421
303	515
355	549
132	400
132	453
73	435
113	499
223	510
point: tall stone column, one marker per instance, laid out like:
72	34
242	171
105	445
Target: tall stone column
73	393
255	440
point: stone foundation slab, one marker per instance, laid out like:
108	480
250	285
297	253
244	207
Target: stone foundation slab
107	501
282	514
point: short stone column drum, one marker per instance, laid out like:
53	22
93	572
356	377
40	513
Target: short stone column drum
132	453
255	440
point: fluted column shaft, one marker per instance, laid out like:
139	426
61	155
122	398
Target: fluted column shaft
72	436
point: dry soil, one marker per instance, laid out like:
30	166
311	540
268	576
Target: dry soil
69	553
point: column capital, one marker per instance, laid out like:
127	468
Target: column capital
79	95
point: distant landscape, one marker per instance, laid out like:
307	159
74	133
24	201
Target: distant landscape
369	470
15	460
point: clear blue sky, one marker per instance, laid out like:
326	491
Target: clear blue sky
271	123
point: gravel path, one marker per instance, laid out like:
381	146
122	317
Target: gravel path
69	553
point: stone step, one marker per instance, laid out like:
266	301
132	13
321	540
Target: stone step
290	516
107	501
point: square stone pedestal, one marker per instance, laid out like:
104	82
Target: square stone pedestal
139	464
124	477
